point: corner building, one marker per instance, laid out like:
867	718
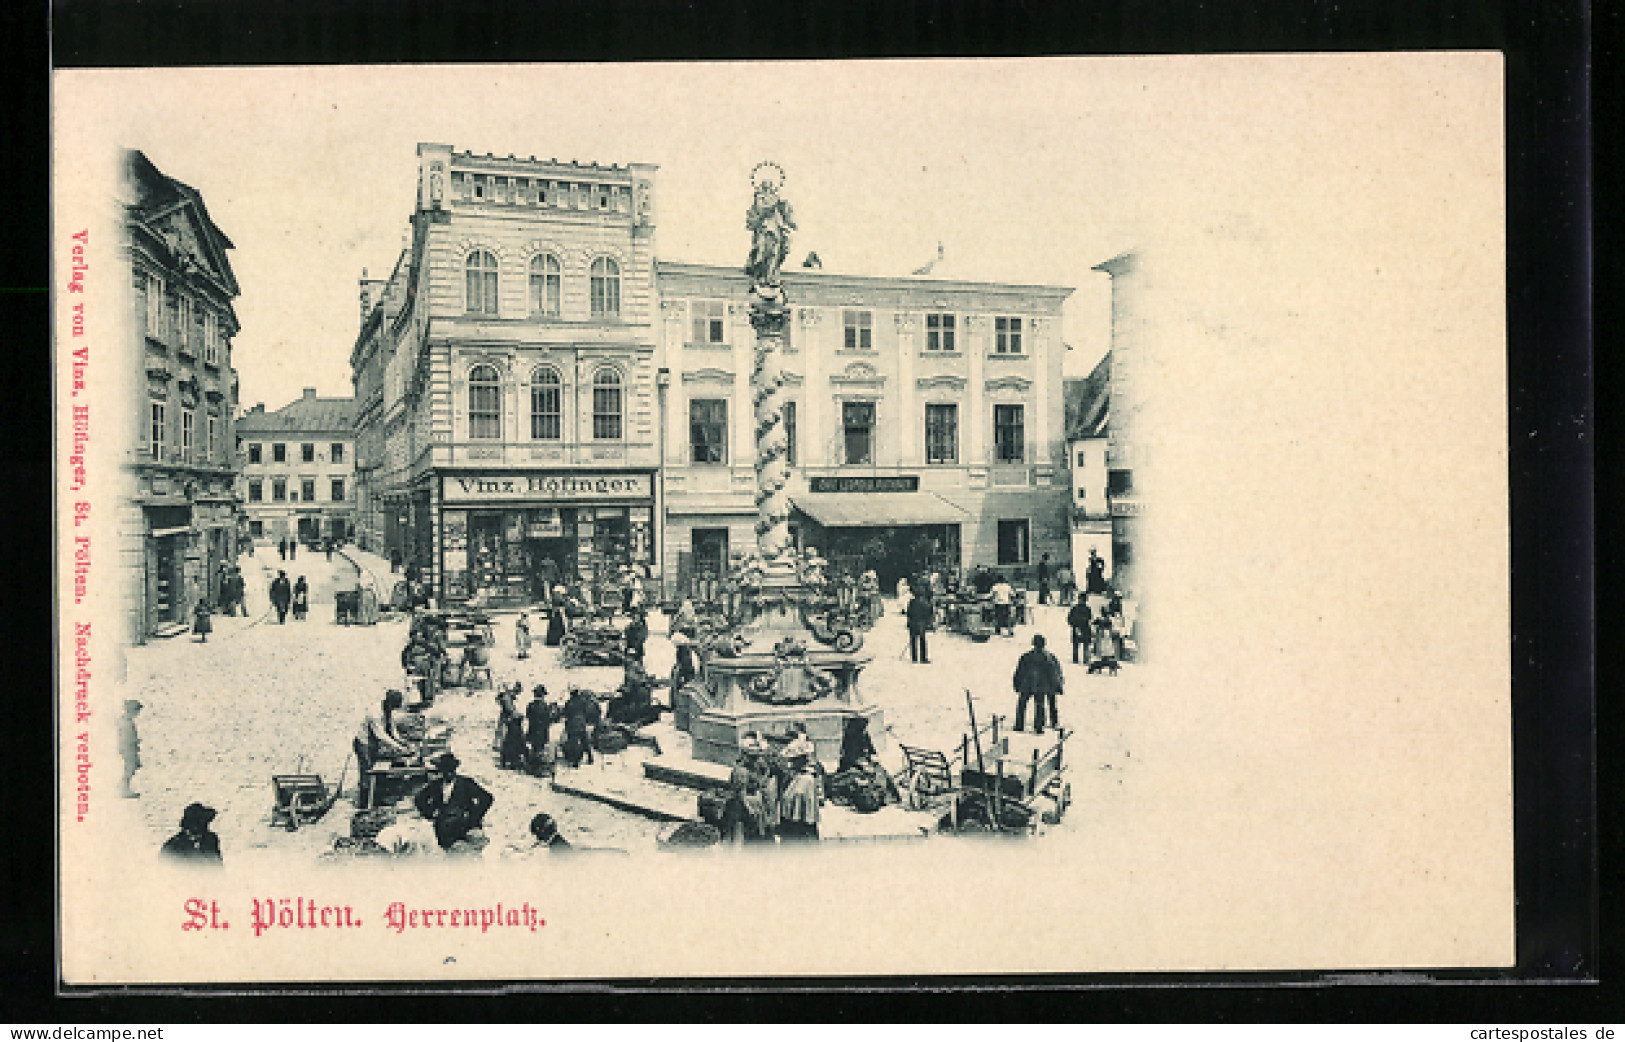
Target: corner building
505	377
925	417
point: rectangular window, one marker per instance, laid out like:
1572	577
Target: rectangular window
214	435
338	490
939	333
279	489
1009	434
858	424
279	453
1083	459
157	429
1119	482
256	528
211	333
256	491
606	413
708	430
708	319
254	452
307	489
1013	542
859	326
335	452
187	422
942	434
307	452
183	322
155	307
546	411
1006	335
790	433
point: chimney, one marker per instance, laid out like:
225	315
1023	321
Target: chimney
310	393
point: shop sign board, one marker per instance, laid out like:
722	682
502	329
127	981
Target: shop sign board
553	486
866	483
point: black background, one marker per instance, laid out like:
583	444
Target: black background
1548	47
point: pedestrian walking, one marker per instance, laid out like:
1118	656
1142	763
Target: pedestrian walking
282	548
301	599
1038	677
1004	597
129	746
904	593
293	549
281	596
1044	571
1078	619
921	614
521	635
328	546
1095	577
581	715
201	624
1067	582
637	635
195	841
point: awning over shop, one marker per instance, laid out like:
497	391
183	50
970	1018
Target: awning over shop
160	533
877	509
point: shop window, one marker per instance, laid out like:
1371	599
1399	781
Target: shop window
187	421
256	491
307	452
279	453
789	414
484	402
1006	335
481	271
157	429
254	452
545	285
942	434
307	489
859	327
1009	434
858	423
338	490
606	405
546	404
605	287
335	452
279	490
939	333
709	321
1013	541
708	430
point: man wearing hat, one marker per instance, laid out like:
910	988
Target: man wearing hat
129	746
455	804
798	808
194	842
546	831
1038	677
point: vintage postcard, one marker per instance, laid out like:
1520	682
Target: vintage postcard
581	522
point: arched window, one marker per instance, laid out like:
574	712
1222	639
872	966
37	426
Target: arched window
544	285
606	287
484	402
546	404
606	405
482	283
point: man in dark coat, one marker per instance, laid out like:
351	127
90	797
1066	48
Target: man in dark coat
581	715
194	842
637	635
921	614
1038	677
1078	619
281	595
455	804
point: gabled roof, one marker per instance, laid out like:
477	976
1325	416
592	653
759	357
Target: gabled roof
158	198
309	414
1088	402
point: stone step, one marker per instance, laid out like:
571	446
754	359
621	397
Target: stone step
688	773
661	803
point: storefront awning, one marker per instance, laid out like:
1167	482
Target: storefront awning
874	509
160	533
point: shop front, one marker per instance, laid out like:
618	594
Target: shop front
887	524
506	538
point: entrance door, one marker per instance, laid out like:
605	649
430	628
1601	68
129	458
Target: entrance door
309	529
167	587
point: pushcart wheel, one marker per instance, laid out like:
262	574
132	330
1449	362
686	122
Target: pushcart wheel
1063	800
845	641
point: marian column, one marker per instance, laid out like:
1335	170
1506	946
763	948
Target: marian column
770	222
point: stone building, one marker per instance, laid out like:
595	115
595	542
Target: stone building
298	470
1128	446
537	397
924	413
181	524
1088	427
506	376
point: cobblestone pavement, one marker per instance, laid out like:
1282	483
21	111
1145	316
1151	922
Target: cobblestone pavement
259	699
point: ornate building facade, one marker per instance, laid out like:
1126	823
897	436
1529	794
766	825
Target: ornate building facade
181	523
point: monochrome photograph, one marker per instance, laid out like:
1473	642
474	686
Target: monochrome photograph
549	523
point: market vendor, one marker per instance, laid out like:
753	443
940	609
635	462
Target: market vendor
798	807
751	811
634	704
379	741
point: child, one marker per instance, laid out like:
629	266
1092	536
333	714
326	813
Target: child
521	635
